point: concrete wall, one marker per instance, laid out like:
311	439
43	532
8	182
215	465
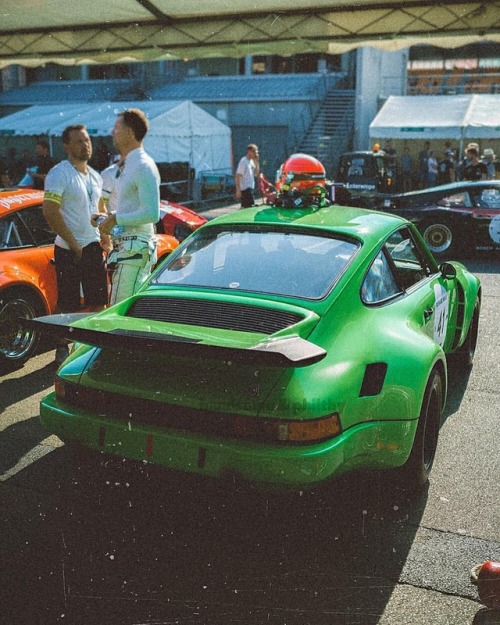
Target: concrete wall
379	74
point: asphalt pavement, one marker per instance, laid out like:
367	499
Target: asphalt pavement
123	543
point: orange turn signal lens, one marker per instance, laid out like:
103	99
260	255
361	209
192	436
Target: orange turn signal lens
287	431
311	430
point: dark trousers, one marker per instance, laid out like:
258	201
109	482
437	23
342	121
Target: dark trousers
247	198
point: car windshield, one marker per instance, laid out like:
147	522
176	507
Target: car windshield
456	200
356	165
296	264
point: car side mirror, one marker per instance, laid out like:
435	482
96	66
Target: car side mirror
448	271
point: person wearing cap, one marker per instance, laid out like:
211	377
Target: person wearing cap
472	168
465	160
446	168
488	159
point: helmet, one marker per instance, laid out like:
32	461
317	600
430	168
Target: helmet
301	171
303	177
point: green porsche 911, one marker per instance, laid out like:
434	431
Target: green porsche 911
275	345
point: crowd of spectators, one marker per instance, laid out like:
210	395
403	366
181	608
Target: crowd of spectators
433	166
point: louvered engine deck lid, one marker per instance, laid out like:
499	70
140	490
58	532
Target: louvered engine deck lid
214	314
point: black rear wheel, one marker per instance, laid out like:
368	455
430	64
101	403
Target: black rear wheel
464	356
440	238
415	473
17	343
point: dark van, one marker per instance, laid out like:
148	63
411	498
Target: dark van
364	174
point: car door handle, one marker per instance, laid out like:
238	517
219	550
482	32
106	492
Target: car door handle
428	313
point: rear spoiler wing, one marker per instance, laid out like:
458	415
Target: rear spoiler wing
292	351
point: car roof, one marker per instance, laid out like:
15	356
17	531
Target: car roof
452	187
365	225
14	199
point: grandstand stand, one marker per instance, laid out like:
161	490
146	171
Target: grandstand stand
452	82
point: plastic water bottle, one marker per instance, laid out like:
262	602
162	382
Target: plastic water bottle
117	231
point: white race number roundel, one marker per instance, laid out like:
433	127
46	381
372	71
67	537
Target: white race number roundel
440	314
495	229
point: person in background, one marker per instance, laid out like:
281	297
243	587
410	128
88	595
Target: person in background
472	168
43	164
20	166
446	168
391	162
248	169
406	171
432	169
72	195
102	156
4	173
109	177
16	166
465	160
132	224
423	166
489	159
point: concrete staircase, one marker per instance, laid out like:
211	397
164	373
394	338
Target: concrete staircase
331	131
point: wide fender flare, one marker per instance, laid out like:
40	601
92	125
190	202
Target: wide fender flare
335	385
13	279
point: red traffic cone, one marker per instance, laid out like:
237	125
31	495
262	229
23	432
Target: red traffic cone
486	577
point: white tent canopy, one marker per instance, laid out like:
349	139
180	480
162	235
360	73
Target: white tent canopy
179	130
426	117
123	31
38	120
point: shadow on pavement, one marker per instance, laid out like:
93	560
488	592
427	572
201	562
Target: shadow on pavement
124	543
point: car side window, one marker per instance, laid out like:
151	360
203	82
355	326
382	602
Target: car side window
399	265
10	237
456	200
410	264
488	198
37	226
14	233
379	283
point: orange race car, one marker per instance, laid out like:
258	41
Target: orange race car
27	274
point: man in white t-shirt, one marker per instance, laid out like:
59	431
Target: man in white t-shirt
72	196
248	169
109	177
132	224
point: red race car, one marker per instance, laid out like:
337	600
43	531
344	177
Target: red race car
178	220
28	285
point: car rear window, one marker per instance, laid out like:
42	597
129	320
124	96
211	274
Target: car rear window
296	264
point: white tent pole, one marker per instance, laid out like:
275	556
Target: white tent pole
466	122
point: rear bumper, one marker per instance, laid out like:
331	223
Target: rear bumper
370	445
